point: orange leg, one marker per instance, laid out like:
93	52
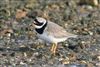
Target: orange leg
53	48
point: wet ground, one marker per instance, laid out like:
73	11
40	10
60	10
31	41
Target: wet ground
19	47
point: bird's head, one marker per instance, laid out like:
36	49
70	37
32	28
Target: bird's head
39	22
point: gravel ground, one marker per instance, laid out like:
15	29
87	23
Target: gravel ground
19	47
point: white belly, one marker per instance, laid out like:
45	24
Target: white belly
50	39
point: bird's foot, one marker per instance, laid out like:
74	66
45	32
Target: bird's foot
53	48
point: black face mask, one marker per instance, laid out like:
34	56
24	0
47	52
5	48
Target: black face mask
37	22
40	31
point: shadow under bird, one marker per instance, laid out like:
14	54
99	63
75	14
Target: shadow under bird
51	32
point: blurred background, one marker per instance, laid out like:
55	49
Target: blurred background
20	47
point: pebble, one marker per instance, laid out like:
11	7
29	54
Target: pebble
75	65
91	33
98	57
98	64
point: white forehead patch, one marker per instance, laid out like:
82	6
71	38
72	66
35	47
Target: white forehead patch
41	19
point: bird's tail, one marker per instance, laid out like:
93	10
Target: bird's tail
72	36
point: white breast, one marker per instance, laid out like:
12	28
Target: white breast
50	39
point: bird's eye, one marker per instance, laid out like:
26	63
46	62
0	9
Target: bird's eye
39	24
36	20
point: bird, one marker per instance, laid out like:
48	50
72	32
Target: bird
50	32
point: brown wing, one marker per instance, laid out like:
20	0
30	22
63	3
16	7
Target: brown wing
57	31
